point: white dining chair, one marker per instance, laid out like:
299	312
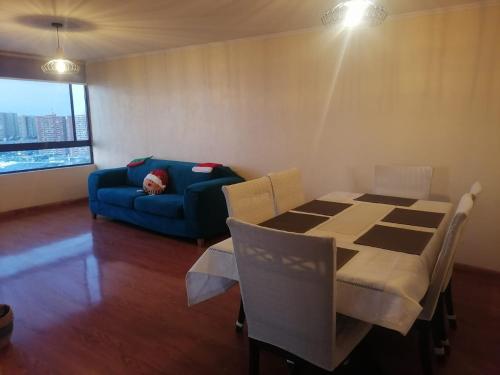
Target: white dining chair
287	189
403	181
431	319
289	297
475	191
251	201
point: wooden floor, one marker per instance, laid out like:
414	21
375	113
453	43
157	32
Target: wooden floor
103	297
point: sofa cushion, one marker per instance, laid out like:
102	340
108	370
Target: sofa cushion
168	205
122	196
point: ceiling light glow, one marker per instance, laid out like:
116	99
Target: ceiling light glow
355	12
60	66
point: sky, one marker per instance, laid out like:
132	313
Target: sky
39	98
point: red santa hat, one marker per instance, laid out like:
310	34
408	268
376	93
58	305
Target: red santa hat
159	177
205	167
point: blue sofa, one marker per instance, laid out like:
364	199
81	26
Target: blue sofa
193	205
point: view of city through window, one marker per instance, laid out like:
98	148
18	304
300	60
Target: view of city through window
42	125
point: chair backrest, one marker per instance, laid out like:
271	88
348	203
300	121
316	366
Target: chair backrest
287	283
251	201
476	189
446	256
287	189
403	181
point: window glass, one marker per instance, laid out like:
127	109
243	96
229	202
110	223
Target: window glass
80	111
16	161
33	111
44	113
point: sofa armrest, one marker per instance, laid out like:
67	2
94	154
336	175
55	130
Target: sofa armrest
106	178
205	205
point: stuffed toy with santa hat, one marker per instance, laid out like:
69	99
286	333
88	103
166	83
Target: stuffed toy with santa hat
155	182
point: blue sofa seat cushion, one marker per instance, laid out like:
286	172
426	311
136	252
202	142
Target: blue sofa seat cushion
122	196
168	205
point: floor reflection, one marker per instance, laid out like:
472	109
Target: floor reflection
73	269
11	265
92	273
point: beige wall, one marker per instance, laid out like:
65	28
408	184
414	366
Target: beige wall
421	89
27	189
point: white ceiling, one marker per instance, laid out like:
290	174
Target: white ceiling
106	28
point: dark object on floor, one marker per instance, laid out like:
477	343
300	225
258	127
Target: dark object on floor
6	325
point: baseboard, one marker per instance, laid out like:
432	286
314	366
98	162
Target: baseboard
474	269
42	207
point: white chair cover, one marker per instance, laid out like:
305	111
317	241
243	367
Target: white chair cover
403	181
476	189
444	264
287	283
287	189
251	201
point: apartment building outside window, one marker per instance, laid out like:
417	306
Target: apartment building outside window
43	125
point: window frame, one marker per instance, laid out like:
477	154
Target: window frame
33	146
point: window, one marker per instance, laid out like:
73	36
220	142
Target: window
43	125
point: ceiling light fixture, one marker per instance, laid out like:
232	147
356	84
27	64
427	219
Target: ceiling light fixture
355	12
60	65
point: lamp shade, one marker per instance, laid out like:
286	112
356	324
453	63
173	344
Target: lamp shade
59	64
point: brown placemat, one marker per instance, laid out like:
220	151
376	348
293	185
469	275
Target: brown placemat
413	217
294	222
396	239
344	256
386	199
323	207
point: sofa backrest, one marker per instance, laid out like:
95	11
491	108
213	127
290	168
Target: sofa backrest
180	174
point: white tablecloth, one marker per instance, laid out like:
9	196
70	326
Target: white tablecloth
377	286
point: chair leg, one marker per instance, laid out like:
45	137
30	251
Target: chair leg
298	367
253	357
439	334
292	367
241	318
424	336
452	318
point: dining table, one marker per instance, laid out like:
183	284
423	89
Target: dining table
386	250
